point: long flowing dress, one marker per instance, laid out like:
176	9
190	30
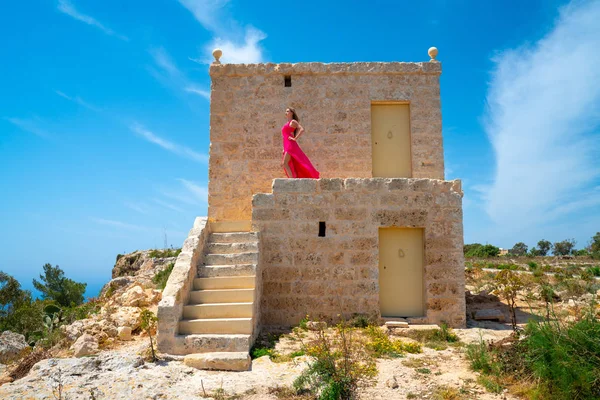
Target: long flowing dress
300	165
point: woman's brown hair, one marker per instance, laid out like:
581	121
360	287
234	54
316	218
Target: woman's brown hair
294	116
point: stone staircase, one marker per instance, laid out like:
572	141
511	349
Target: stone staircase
220	315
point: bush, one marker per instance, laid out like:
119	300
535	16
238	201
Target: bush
161	277
341	365
383	346
565	358
561	360
479	250
164	253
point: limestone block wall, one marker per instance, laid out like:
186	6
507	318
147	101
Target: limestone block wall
306	274
177	291
334	105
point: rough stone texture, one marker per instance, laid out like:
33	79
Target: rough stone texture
124	333
134	297
306	274
334	105
85	346
177	290
12	346
219	361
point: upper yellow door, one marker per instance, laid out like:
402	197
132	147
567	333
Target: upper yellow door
401	258
390	134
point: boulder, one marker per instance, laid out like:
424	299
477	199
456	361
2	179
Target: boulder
12	346
134	297
85	345
124	333
127	316
116	284
490	314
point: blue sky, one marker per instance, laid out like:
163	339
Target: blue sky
104	113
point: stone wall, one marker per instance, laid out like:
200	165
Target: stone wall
333	102
177	291
306	274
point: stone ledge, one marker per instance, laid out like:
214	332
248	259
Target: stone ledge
316	68
362	185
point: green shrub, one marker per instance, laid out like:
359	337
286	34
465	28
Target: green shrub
532	265
164	253
340	365
383	346
160	279
566	359
594	270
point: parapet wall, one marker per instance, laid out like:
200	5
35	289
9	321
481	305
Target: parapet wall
333	102
339	273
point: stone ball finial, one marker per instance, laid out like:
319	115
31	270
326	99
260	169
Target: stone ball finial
433	52
217	53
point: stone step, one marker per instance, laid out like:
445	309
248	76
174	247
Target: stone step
231	259
232	248
208	271
225	282
233	237
216	325
207	343
221	296
218	310
239	361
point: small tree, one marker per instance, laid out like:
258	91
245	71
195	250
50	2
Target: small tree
483	251
519	249
148	324
544	247
595	245
55	286
563	248
507	284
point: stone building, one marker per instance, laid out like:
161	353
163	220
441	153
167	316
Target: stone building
379	234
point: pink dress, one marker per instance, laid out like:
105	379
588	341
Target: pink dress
300	165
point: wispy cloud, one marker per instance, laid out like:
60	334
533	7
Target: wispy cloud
167	72
29	125
167	205
200	192
239	45
78	100
200	92
66	7
118	224
139	207
167	145
543	120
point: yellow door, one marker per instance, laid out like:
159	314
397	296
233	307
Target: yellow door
390	135
401	272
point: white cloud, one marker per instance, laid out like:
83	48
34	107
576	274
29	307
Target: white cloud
180	150
247	51
118	224
66	7
77	100
200	192
139	207
199	92
167	205
210	13
543	120
171	76
239	45
29	125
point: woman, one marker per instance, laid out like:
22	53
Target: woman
295	163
